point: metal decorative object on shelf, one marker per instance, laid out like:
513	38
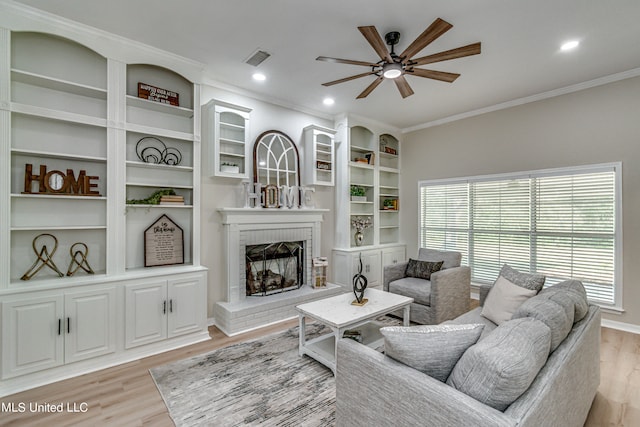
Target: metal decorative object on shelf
44	258
359	285
360	224
82	263
150	149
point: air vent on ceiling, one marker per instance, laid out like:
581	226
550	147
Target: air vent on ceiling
257	58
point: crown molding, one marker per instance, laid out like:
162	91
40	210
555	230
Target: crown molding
635	72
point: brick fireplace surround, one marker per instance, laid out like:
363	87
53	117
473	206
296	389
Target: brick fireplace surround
252	226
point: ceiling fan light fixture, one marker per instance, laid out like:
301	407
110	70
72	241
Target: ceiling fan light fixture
392	71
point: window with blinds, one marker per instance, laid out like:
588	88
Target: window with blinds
563	223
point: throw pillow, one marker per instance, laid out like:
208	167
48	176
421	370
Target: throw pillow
533	281
503	300
557	315
422	269
502	366
432	349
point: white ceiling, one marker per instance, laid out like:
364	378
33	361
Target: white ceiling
520	46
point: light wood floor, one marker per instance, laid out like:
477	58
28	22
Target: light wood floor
126	395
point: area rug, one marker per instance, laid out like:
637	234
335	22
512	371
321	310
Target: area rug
260	382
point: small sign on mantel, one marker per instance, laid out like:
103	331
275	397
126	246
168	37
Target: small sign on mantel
152	93
163	243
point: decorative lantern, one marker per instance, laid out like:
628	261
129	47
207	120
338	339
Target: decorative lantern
319	272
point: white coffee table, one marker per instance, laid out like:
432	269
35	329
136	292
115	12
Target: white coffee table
338	314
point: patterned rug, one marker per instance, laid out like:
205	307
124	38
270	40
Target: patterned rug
261	382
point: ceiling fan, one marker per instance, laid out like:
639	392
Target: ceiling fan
396	67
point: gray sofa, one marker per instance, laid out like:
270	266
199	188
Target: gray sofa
444	297
375	390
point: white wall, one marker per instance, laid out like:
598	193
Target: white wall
218	192
596	125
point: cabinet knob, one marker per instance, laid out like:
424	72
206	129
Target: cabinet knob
68	325
170	306
59	326
164	307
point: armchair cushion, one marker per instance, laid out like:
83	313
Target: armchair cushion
432	349
418	289
422	269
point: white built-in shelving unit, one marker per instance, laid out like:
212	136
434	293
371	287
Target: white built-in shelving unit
369	160
66	107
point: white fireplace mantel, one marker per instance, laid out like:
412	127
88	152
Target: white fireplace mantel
269	215
238	223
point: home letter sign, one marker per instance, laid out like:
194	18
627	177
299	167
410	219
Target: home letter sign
57	182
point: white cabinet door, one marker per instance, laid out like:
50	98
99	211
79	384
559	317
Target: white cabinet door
186	305
392	256
146	309
370	266
89	324
32	333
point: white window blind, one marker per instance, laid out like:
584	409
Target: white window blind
562	223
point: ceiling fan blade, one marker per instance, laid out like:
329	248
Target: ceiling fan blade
460	52
373	37
403	86
435	30
346	79
370	88
432	74
345	61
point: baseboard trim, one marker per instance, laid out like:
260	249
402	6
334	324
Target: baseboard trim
621	326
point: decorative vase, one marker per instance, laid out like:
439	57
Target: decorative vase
358	237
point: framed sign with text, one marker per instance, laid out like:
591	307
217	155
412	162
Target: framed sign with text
163	243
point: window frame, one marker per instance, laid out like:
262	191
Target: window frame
615	167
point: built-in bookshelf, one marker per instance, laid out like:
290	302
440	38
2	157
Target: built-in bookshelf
70	123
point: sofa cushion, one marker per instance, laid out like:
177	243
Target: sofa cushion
571	289
451	258
557	315
432	349
502	366
473	316
533	281
503	300
422	269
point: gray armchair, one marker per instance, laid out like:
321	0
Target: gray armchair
444	297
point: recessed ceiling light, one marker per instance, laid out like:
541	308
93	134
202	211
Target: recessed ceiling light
572	44
328	101
259	77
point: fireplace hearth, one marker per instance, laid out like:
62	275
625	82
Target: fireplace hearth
274	267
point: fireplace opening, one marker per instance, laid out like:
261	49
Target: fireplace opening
274	267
